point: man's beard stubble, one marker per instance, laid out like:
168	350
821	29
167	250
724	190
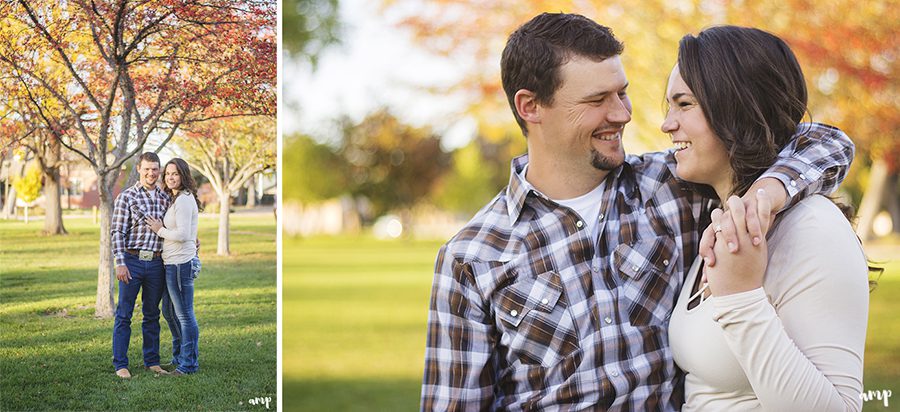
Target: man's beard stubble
601	162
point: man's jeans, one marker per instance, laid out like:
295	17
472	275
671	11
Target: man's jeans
148	278
180	285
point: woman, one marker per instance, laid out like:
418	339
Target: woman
179	231
784	328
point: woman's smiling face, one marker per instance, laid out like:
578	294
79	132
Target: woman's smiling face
700	154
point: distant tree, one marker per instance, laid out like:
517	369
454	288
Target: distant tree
22	126
392	164
479	170
309	26
312	171
229	152
28	187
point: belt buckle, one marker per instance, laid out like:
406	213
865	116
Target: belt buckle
145	255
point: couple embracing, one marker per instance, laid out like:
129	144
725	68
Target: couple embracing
713	276
155	245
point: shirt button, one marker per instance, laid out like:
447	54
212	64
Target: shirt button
614	373
514	313
634	268
802	176
665	261
608	320
596	268
545	301
579	223
601	216
793	183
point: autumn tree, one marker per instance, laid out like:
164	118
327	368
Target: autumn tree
49	155
847	49
109	74
392	164
229	152
28	187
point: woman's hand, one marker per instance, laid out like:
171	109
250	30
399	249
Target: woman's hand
743	270
155	224
777	196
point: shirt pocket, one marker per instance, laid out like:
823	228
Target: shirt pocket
534	319
646	269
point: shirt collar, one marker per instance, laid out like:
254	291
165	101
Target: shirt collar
156	190
517	190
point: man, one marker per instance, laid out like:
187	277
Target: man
139	266
557	294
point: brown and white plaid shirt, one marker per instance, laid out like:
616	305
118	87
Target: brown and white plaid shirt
530	312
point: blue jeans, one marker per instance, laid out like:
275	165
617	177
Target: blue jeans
148	277
168	312
180	284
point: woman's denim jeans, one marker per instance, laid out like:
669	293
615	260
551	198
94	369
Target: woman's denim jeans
180	285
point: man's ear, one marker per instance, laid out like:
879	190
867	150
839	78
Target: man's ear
527	106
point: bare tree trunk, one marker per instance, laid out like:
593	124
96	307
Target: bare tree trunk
9	207
105	276
53	223
251	192
872	200
224	223
892	198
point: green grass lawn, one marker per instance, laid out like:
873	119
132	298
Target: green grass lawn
54	355
354	325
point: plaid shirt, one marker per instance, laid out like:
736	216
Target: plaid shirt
530	312
128	228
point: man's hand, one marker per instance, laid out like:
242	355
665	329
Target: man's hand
123	274
776	195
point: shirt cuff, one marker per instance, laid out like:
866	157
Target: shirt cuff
796	176
120	259
734	304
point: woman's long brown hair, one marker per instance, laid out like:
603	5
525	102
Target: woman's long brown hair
188	184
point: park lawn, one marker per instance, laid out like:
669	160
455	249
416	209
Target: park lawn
54	355
354	324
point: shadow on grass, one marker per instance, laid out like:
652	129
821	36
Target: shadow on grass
373	394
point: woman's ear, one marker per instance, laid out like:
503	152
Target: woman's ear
527	106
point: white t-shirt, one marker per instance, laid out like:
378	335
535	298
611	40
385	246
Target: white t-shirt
587	205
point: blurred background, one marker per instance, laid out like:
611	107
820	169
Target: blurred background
397	131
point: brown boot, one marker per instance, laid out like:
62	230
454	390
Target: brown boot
123	373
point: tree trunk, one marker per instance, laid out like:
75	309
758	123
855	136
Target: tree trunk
53	223
105	276
892	198
872	199
224	211
251	192
9	210
9	207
